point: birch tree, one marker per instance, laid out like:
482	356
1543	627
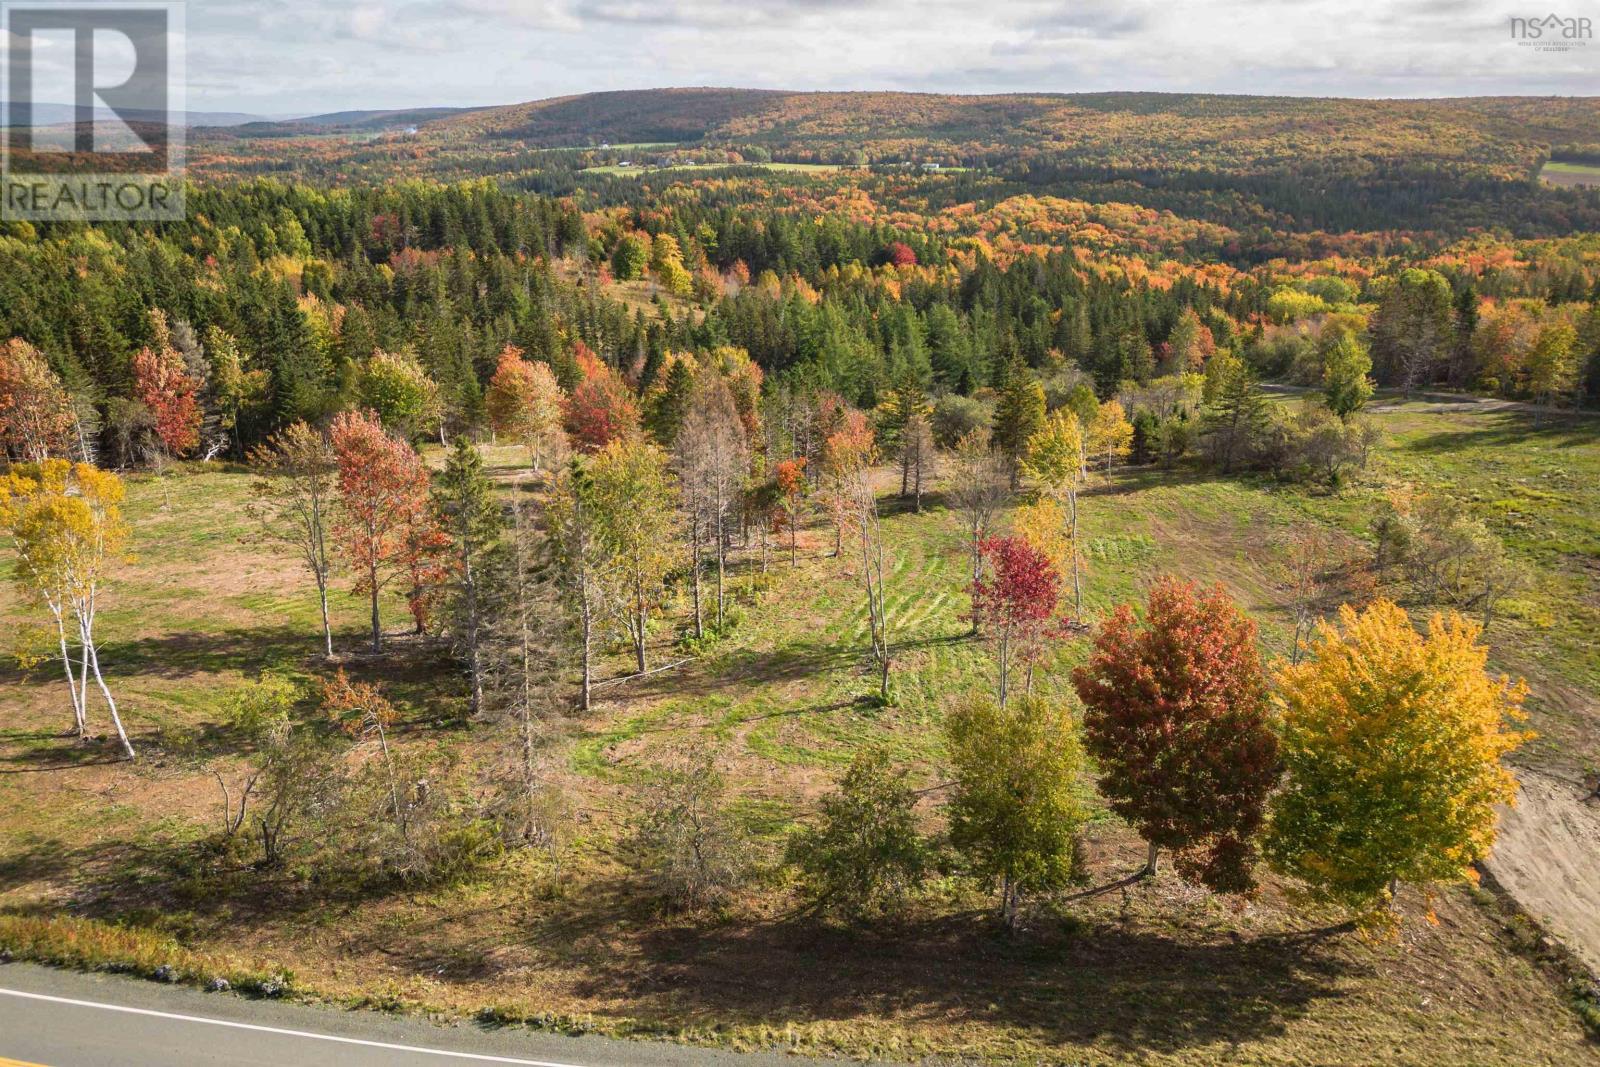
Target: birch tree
712	453
1057	457
978	487
635	505
65	523
573	526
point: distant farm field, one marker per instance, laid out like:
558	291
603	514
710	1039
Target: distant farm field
1571	174
635	170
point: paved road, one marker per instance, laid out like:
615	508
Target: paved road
65	1019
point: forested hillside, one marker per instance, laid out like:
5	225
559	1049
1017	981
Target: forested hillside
1284	164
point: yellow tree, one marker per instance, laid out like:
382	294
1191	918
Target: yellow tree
635	507
1057	458
65	524
1392	744
1110	434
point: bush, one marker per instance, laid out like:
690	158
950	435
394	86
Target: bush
865	854
683	841
1446	555
956	416
1015	813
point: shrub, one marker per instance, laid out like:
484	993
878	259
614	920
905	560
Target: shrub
683	841
864	854
956	416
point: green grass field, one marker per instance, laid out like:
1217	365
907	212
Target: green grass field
638	169
1571	174
1150	972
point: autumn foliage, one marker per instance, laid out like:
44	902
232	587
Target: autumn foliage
1177	716
524	401
1014	602
384	528
162	384
790	478
601	408
1392	743
35	412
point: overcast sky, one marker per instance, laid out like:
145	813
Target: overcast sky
282	56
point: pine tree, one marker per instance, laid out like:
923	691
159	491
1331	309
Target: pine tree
1019	414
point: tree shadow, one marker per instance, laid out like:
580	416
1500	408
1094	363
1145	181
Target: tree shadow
1136	990
185	654
42	860
1131	480
792	661
1503	429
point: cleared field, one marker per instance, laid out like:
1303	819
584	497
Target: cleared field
1157	973
803	168
1571	174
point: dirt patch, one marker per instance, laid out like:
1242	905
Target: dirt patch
1547	858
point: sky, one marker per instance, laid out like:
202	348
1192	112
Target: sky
304	56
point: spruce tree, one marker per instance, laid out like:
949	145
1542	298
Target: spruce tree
463	497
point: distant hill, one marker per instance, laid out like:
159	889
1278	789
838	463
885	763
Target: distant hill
623	117
351	121
1284	164
65	114
890	121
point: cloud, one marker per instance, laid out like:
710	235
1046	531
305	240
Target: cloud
1092	19
334	54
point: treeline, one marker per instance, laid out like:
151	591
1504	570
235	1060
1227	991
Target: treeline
285	304
277	298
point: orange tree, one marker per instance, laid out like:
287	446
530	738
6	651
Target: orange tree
383	496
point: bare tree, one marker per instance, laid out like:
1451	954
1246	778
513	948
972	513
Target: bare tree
979	485
574	535
291	500
689	462
870	533
1313	556
917	456
711	461
521	669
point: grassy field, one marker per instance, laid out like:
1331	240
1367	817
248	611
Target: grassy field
638	169
1571	174
1143	972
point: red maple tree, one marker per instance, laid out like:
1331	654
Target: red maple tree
601	408
385	527
790	477
1177	716
1014	600
163	384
